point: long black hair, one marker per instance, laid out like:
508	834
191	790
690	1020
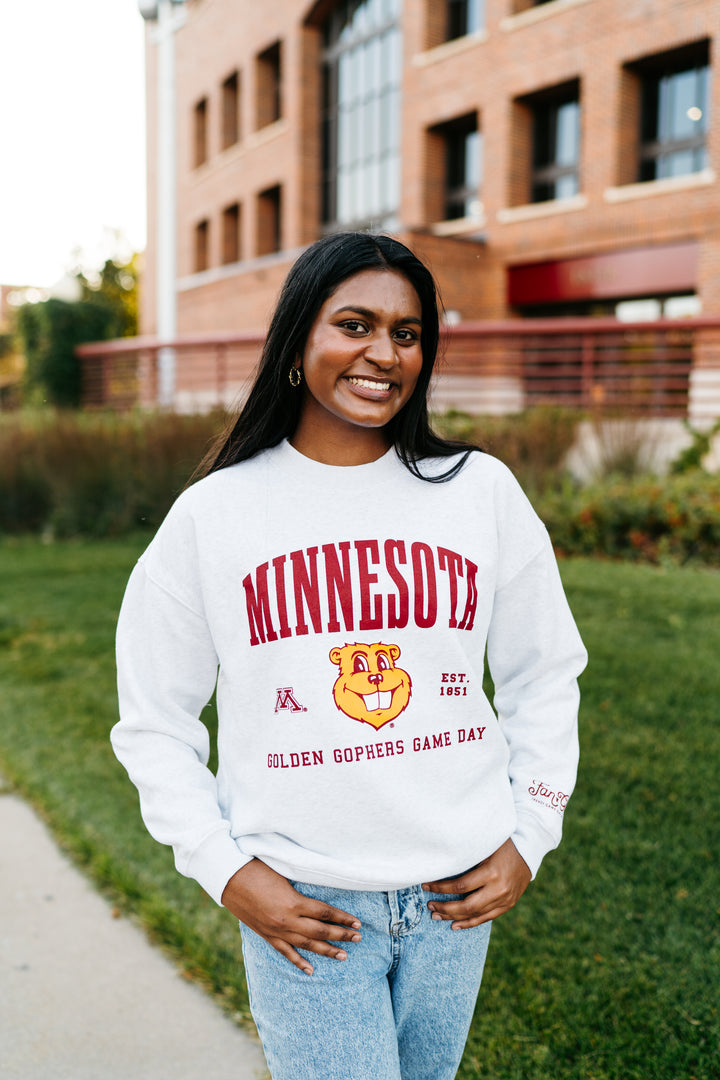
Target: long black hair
272	409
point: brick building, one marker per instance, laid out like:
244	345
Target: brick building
554	158
493	137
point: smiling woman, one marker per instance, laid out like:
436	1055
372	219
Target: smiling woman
361	363
340	571
369	290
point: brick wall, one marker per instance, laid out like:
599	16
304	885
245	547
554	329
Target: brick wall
523	49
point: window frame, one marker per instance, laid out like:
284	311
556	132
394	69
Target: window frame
200	132
269	85
461	178
459	18
653	151
644	148
343	45
545	109
269	221
230	131
201	250
231	237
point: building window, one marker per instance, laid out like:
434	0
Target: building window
463	148
200	149
674	113
464	17
269	86
269	221
455	169
231	234
362	72
202	246
555	143
668	307
230	110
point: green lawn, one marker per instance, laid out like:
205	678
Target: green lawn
610	966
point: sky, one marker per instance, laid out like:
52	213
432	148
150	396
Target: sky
72	136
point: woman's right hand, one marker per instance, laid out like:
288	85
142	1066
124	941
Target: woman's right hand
266	902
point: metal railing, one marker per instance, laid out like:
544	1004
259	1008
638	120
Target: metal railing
598	365
210	370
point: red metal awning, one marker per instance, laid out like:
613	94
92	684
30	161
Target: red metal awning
651	271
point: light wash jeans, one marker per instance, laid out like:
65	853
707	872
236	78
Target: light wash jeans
399	1007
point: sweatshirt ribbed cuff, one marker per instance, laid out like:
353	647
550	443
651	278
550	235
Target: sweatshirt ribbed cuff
532	841
214	862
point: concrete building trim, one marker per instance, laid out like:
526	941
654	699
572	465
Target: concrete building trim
460	227
232	270
529	211
666	186
538	14
450	49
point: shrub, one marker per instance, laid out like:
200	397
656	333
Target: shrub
692	456
101	474
676	518
25	495
95	474
98	474
533	444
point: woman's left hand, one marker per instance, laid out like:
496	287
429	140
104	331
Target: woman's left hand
490	889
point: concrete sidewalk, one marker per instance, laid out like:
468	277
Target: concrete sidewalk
83	995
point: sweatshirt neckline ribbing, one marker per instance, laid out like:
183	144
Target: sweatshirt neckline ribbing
288	456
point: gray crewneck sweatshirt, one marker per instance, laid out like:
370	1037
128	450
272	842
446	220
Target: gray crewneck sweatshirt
344	614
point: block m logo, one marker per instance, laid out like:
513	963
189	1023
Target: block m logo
286	701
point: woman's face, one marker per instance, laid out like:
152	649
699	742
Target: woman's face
360	365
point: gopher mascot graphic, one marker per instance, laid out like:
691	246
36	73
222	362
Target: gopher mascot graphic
369	687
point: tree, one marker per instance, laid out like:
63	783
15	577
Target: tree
51	330
116	287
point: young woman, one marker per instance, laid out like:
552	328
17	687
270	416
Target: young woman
339	573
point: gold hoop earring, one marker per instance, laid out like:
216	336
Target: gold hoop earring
295	376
